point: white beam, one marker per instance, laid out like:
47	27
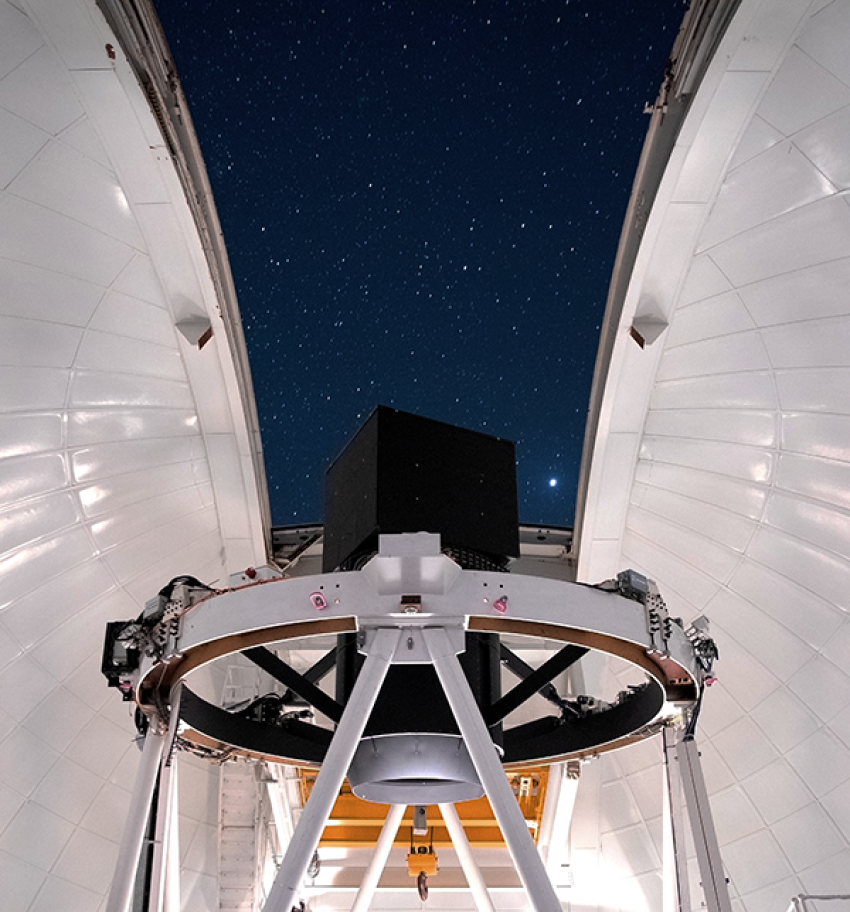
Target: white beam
483	752
279	801
713	879
162	838
172	862
121	891
547	818
306	837
675	860
562	806
378	861
467	861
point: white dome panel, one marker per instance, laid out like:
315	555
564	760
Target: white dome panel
812	619
719	524
56	601
40	294
68	246
824	752
722	315
36	89
38	344
19	143
109	352
805	237
755	389
32	475
64	180
764	638
824	144
802	92
776	791
108	479
815	390
821	343
107	459
738	498
723	355
777	181
101	388
120	314
747	426
759	137
824	39
109	426
19	39
738	503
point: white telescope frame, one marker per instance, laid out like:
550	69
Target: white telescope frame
409	604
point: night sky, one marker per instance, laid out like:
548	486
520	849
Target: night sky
421	203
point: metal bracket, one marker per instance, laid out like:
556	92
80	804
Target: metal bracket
658	621
411	648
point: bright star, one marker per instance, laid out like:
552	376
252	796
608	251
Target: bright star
553	482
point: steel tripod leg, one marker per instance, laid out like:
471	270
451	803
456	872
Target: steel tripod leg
464	853
337	760
162	838
121	891
677	892
172	861
483	752
379	859
165	830
702	826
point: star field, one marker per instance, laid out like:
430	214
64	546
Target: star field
421	203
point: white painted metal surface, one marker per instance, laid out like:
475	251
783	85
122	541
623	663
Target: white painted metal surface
121	891
378	861
164	832
721	464
480	745
561	793
306	837
675	852
472	872
713	877
171	899
123	452
721	467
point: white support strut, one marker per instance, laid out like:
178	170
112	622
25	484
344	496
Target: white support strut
121	891
172	861
162	838
410	587
378	861
675	860
714	883
483	752
166	820
467	861
306	837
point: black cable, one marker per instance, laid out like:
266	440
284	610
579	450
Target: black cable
690	731
192	581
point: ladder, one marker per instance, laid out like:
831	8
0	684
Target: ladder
237	847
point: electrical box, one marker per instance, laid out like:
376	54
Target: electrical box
422	860
404	473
